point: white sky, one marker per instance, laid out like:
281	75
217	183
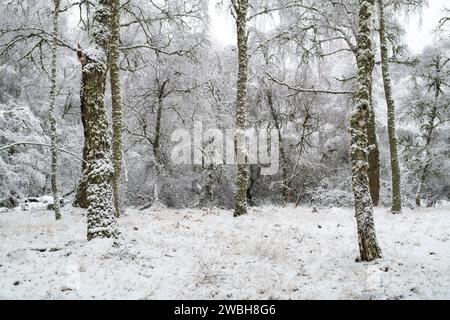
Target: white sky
222	27
223	30
419	26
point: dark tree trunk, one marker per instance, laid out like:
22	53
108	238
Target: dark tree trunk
374	155
81	199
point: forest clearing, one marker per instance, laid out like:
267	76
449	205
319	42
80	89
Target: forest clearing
271	253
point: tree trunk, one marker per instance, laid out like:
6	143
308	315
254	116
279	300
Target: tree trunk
276	121
114	72
368	246
157	139
156	144
99	169
422	177
51	111
427	160
436	83
395	168
374	155
240	194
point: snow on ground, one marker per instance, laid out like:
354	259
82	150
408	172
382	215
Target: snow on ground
271	253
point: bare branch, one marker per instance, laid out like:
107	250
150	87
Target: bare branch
307	90
39	144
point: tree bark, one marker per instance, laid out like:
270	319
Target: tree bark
374	155
157	138
368	245
99	169
396	206
240	194
51	113
156	144
117	125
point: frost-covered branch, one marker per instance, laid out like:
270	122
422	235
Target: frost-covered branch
306	90
38	144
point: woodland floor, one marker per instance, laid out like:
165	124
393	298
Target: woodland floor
271	253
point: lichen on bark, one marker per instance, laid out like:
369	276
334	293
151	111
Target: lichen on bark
396	199
240	194
98	171
116	100
368	246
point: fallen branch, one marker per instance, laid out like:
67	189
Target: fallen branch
146	206
46	249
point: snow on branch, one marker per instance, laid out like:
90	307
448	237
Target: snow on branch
39	144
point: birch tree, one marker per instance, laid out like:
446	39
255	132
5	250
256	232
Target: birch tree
51	112
331	31
368	246
396	198
432	113
240	8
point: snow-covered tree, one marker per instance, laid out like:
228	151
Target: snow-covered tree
240	8
396	201
368	245
52	118
428	106
116	101
98	173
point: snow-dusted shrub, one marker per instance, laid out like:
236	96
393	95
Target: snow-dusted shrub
333	197
24	168
9	83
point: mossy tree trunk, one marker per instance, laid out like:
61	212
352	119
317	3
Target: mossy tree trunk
240	193
396	199
117	125
99	169
368	245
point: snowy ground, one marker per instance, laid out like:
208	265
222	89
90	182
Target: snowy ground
272	253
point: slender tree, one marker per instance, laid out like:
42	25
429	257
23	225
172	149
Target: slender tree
99	171
368	246
51	111
240	196
436	77
117	125
396	199
373	157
